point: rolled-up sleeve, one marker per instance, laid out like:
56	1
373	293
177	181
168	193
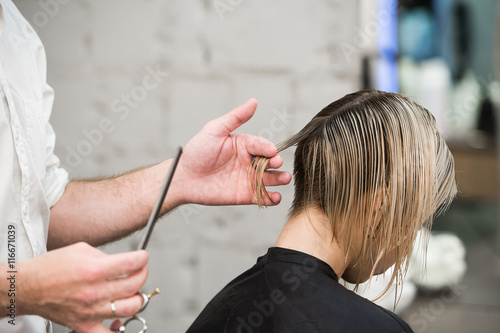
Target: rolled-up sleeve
56	178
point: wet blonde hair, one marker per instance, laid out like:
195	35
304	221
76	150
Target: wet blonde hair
376	166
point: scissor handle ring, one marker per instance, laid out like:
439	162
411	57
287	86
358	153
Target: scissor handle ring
145	302
136	318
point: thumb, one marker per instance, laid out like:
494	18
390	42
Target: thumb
98	328
115	325
232	120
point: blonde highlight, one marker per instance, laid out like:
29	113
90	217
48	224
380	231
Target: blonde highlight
370	149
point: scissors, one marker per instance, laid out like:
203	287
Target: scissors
145	240
141	320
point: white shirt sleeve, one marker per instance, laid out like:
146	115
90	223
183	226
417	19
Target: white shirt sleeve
56	178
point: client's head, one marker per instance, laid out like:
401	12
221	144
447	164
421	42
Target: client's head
375	165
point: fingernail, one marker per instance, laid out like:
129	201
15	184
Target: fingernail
141	254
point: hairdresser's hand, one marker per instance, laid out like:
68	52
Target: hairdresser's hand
75	286
213	169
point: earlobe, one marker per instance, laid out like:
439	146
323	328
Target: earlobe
378	208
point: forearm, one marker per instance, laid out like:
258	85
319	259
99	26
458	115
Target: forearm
100	211
213	170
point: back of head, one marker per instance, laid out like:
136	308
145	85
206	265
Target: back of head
374	163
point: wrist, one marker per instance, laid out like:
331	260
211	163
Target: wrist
25	294
14	287
176	192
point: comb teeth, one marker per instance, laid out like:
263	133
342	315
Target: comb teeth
147	237
161	198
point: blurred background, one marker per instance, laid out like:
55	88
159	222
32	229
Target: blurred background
135	79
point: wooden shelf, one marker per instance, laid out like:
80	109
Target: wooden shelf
477	172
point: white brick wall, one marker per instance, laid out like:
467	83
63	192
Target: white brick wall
284	53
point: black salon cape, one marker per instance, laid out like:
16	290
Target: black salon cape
290	291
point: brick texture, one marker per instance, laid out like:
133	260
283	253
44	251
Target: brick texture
284	53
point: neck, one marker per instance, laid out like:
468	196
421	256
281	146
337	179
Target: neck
311	233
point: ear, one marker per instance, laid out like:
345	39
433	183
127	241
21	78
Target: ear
378	208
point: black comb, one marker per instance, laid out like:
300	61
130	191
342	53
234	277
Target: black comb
159	202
